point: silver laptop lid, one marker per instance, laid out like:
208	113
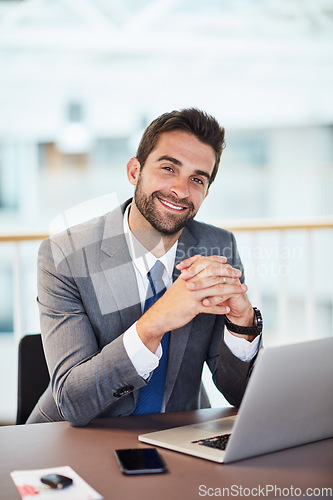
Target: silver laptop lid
288	401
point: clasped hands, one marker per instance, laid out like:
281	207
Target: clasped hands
207	284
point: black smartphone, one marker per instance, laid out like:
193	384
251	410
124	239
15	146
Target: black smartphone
140	461
56	481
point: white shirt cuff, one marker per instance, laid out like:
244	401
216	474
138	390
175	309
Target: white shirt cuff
241	348
143	359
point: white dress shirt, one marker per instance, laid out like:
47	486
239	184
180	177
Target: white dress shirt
142	358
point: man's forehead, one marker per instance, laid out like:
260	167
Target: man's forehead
174	136
182	142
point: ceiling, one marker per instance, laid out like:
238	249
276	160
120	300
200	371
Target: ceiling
261	61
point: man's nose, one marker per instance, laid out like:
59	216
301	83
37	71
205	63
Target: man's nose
179	188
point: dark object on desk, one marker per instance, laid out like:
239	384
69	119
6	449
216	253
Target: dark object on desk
26	447
56	481
33	375
140	461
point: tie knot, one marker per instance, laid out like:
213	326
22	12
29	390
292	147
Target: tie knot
156	274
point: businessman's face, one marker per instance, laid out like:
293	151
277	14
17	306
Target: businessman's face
173	182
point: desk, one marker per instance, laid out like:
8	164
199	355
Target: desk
89	451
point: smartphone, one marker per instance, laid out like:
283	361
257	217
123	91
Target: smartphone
56	481
140	461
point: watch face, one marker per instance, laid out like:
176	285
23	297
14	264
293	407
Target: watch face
257	318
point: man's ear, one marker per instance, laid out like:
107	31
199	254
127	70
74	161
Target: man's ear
207	192
133	170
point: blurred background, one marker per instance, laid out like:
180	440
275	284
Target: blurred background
81	79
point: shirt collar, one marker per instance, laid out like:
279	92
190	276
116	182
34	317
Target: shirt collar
141	257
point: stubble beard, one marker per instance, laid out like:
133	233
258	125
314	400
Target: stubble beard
168	224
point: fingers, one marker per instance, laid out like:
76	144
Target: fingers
216	309
219	297
188	262
222	293
208	271
201	282
214	300
214	283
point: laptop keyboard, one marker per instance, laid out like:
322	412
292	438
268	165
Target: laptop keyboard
219	442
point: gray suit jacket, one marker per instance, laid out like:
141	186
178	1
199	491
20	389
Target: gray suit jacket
88	297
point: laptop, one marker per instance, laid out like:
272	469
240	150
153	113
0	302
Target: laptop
288	402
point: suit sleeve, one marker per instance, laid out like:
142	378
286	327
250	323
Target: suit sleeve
86	379
230	374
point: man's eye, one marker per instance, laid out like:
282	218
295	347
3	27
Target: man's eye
197	180
168	168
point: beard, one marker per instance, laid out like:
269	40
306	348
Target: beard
165	223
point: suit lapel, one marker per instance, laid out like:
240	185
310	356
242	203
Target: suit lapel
118	268
179	338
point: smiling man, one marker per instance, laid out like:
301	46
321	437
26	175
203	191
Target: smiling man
182	181
133	303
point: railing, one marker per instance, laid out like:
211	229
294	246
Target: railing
310	227
254	228
17	239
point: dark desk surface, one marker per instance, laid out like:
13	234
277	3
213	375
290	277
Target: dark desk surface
89	451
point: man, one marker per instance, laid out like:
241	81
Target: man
110	355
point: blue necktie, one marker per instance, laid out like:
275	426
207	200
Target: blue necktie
151	396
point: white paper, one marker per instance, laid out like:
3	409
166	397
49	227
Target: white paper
29	485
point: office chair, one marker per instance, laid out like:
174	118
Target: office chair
33	375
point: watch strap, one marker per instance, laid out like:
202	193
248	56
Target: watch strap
254	330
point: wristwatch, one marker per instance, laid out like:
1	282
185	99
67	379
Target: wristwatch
254	330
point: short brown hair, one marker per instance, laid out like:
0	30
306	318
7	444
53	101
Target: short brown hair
191	120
